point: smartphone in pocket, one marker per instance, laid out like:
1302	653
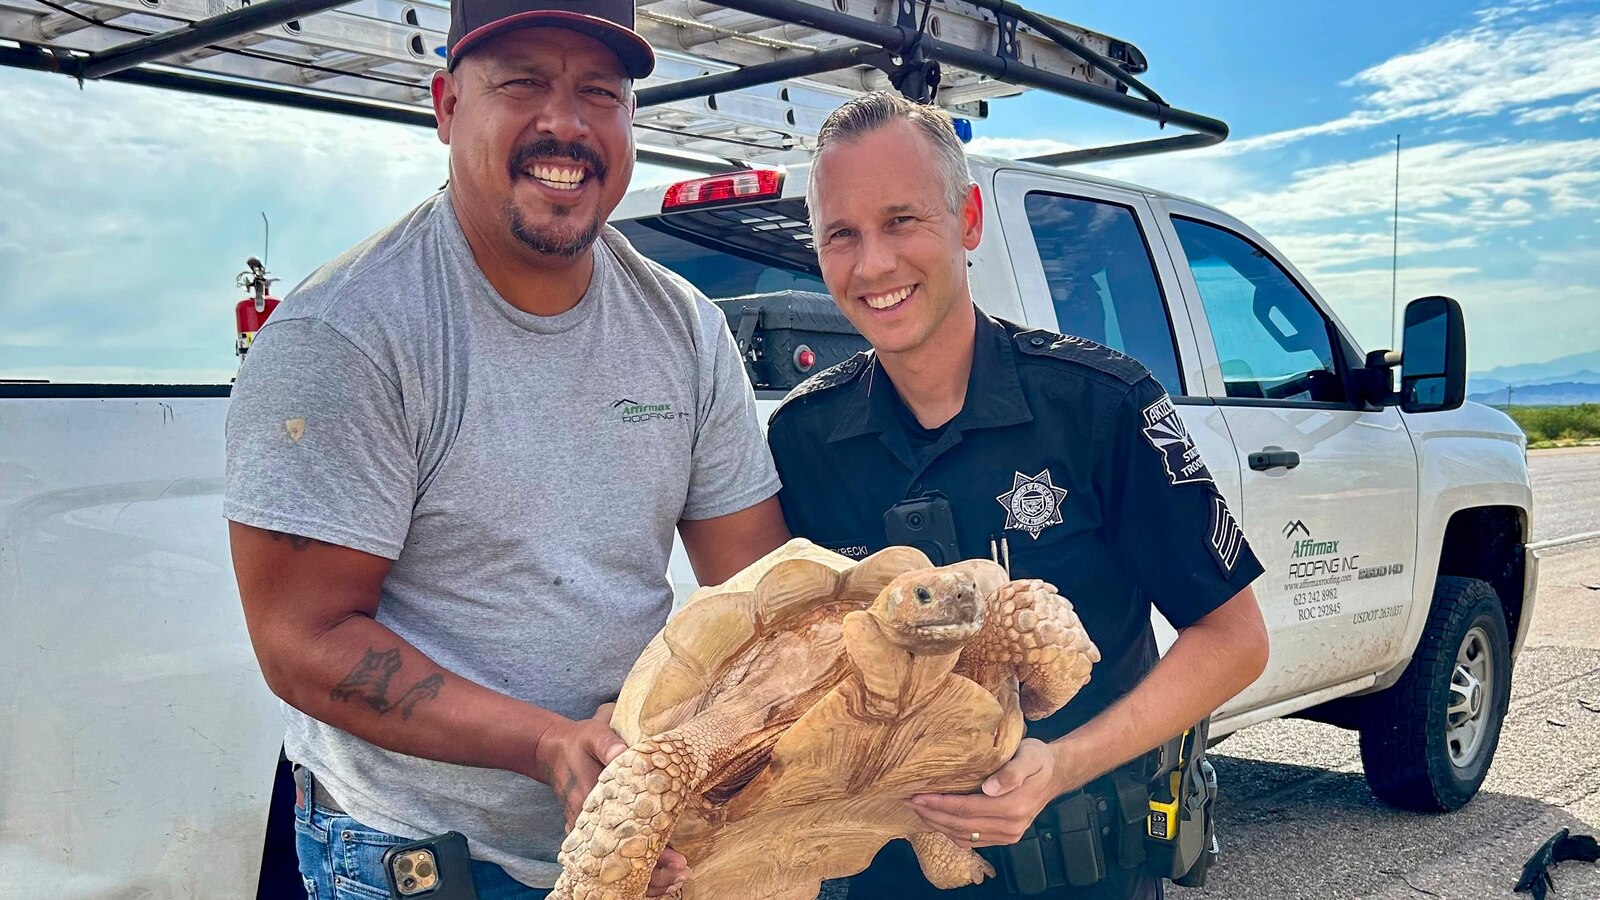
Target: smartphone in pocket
435	868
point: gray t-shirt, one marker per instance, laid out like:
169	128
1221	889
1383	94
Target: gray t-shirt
525	473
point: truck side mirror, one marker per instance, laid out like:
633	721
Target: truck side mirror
1433	368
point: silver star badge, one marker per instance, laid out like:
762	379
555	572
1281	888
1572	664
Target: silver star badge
1032	504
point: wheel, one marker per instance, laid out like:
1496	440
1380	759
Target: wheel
1427	741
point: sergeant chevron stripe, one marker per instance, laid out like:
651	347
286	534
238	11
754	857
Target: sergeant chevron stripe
1226	536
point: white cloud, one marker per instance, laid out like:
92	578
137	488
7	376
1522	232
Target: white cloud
139	207
1517	207
1491	67
1353	122
1587	110
1317	253
1472	180
1486	70
1518	8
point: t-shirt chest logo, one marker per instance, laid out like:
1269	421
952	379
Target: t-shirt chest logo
632	412
1032	504
1165	432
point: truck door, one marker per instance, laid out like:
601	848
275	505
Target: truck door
1329	483
1090	262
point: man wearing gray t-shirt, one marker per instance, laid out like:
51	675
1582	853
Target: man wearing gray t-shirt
456	458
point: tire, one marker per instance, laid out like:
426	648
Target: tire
1427	742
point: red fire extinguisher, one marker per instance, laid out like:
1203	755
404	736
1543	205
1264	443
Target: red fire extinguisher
252	312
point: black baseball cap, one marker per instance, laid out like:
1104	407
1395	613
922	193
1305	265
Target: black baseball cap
608	21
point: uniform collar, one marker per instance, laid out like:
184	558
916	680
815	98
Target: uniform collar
994	391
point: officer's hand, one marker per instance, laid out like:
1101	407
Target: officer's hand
571	757
1012	798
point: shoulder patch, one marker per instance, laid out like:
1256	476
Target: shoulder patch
1072	348
834	376
1163	428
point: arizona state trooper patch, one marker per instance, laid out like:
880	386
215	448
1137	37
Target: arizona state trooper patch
1032	504
1165	432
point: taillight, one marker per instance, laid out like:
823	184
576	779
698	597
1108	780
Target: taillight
756	184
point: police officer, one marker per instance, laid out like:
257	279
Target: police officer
1056	455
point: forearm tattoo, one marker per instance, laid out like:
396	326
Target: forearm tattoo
560	775
368	684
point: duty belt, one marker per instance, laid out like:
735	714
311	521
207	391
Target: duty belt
1080	835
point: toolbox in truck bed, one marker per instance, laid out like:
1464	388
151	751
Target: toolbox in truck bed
787	336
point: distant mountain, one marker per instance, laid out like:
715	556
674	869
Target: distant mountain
1563	393
1541	372
1575	376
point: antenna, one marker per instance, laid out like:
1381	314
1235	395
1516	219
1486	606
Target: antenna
266	237
1394	262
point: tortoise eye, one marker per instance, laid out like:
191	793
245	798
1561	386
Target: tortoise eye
923	595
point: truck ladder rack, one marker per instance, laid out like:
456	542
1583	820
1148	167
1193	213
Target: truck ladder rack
737	83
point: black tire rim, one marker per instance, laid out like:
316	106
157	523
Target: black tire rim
1472	692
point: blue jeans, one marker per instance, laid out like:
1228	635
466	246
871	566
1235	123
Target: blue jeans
342	859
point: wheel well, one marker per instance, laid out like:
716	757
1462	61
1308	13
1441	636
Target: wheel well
1486	542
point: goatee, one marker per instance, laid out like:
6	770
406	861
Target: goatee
565	242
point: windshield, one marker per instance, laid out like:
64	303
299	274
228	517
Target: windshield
733	252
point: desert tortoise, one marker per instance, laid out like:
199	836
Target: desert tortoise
779	721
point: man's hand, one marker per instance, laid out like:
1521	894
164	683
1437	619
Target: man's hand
570	759
1012	798
571	755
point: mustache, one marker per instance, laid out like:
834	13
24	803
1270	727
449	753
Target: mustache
550	148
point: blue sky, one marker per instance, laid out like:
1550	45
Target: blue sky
127	212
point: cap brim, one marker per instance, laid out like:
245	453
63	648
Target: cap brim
638	59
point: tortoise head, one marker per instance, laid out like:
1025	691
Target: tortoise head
930	610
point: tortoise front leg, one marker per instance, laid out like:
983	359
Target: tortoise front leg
1032	633
946	864
628	817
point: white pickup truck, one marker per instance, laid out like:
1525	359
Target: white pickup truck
141	746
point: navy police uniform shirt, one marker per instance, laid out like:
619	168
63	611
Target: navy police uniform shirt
1068	450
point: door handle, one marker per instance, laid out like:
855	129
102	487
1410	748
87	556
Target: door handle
1272	458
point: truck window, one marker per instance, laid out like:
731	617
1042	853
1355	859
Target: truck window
732	252
1272	341
1102	280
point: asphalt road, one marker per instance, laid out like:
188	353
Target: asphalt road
1298	823
1566	492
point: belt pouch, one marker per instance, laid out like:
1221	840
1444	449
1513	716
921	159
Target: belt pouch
1022	864
1132	806
1078	837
